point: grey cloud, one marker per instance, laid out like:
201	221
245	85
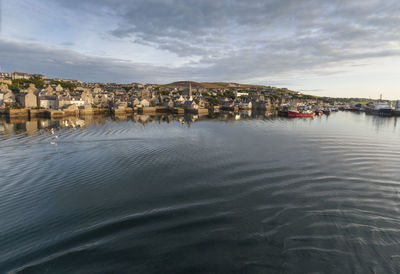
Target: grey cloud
243	66
234	40
35	58
218	29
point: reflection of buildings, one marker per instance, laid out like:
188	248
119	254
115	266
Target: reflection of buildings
31	126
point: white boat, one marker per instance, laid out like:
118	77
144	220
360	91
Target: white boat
381	109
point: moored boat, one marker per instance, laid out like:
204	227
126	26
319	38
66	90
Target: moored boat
295	113
380	108
334	109
318	112
326	110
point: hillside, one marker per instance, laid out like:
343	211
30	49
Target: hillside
216	85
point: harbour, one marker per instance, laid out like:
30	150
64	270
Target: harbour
262	192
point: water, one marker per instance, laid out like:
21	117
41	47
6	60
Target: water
154	195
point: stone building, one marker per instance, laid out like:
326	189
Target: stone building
27	99
48	101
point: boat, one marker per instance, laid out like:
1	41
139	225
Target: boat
326	110
350	108
283	113
334	109
380	108
295	113
318	112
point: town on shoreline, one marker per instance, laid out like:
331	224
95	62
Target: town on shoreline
34	95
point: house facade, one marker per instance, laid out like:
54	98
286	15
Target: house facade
4	75
48	101
27	99
20	75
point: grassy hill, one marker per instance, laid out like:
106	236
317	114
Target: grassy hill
216	85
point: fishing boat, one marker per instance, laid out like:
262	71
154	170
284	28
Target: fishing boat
326	110
380	108
334	109
296	113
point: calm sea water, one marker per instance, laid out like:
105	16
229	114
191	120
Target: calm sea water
166	195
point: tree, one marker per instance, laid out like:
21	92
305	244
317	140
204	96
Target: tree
229	94
213	101
39	83
68	85
164	92
14	88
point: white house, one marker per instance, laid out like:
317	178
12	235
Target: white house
239	94
245	105
77	101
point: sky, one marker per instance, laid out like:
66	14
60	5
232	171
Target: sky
337	48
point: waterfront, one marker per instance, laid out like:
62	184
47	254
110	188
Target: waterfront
190	194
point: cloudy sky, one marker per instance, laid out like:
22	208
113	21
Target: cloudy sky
334	48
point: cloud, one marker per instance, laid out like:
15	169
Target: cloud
212	28
247	65
227	40
55	62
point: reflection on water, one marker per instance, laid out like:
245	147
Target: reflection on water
31	126
232	193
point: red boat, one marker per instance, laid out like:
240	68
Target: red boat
295	113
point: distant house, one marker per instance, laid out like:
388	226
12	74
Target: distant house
239	94
144	93
27	99
48	101
59	88
245	105
144	103
4	88
39	76
63	101
121	105
96	90
87	97
202	103
20	75
48	91
32	88
100	100
47	81
9	98
77	100
4	75
5	81
135	102
190	105
181	99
